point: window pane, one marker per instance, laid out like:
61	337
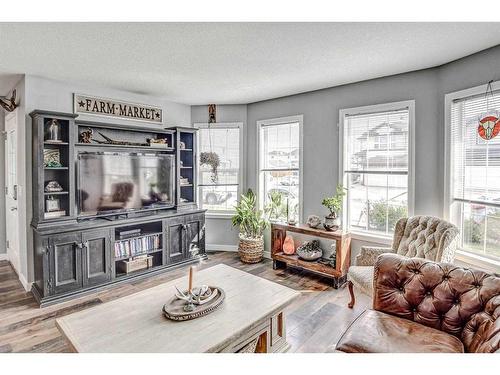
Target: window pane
376	202
279	152
280	146
475	175
219	198
377	142
219	191
480	229
285	183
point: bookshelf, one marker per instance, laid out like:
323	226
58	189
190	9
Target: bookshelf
53	172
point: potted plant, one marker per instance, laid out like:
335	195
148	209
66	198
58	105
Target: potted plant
334	205
252	224
276	208
213	161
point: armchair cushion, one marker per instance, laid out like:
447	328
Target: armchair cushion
426	237
377	332
369	254
362	278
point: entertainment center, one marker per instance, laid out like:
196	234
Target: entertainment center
110	203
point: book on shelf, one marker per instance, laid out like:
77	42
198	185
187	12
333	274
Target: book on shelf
137	246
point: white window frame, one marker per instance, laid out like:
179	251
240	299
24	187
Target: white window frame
278	121
241	174
384	107
462	255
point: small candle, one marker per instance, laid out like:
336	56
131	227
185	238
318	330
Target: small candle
190	279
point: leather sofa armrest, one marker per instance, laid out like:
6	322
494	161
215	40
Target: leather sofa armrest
368	255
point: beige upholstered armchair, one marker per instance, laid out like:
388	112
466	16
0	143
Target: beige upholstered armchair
425	237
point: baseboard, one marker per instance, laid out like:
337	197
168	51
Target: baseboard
214	247
3	256
26	284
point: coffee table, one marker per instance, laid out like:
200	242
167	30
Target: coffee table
250	319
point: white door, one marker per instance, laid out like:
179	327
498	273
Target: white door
11	190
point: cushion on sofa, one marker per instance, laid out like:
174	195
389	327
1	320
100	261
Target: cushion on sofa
378	332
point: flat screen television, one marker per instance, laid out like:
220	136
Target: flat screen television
112	183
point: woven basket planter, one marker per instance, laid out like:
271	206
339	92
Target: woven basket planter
251	250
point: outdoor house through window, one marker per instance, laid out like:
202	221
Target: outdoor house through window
375	147
219	183
280	165
475	173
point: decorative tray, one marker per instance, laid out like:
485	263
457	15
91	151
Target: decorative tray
175	308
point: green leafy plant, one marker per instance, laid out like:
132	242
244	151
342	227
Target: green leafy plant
248	218
276	207
382	213
213	161
334	203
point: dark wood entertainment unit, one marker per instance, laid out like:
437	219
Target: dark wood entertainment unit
74	255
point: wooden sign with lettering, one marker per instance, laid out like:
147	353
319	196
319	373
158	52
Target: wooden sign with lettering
90	105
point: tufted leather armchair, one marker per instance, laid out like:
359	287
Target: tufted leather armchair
424	237
424	306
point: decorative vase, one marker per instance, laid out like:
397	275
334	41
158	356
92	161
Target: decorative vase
332	222
288	245
310	250
251	250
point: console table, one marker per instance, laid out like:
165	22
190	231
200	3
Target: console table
343	251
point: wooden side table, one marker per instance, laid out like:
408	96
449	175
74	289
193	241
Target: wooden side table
343	251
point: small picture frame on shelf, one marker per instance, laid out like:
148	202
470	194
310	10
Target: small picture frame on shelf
51	158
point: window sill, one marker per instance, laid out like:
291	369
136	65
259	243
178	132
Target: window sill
477	261
219	215
372	238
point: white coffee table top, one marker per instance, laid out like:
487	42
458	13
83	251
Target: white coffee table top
135	323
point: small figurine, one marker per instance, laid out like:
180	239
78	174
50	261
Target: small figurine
86	136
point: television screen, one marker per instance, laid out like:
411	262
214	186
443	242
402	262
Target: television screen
118	182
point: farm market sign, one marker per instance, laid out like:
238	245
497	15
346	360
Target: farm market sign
90	105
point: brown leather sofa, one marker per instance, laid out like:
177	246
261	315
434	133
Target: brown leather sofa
423	306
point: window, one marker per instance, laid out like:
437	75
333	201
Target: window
280	161
219	192
473	172
376	166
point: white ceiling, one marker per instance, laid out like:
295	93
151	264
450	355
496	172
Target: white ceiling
228	63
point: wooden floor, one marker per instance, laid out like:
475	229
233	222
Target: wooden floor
315	321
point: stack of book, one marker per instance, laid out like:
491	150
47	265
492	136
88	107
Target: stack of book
137	246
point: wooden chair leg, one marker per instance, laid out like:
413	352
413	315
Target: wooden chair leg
351	292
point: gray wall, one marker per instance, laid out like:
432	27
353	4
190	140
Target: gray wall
2	184
321	143
220	234
51	95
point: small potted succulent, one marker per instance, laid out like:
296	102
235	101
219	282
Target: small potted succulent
252	224
334	205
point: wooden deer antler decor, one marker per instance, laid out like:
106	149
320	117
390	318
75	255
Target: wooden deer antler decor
9	104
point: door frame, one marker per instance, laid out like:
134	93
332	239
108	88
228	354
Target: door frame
16	263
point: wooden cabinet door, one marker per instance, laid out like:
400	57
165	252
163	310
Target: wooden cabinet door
96	257
195	235
65	262
175	234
